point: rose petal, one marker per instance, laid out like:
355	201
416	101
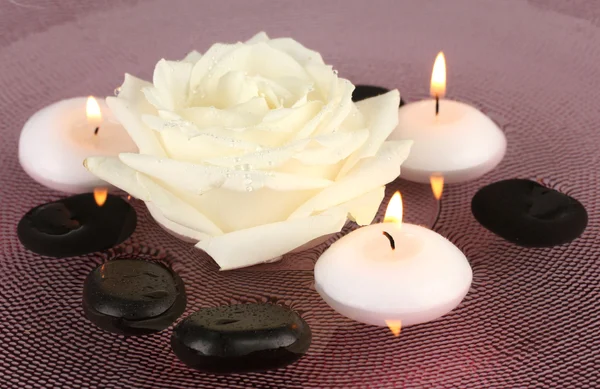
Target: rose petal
198	179
234	88
339	109
266	242
310	127
113	171
298	89
154	97
333	147
160	124
364	208
171	82
245	209
131	90
206	117
275	129
323	76
296	50
354	121
256	106
259	59
192	57
381	115
127	112
368	175
269	62
335	112
207	62
184	233
295	167
283	91
260	37
197	148
176	210
183	140
289	119
245	114
263	159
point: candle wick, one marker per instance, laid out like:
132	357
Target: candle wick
96	130
437	105
392	243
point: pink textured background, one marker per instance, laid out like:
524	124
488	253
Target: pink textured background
531	317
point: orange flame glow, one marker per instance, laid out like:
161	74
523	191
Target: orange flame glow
395	326
437	185
92	112
393	213
100	195
438	76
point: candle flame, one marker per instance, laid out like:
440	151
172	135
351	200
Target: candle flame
100	195
93	114
395	326
393	213
438	76
437	185
92	110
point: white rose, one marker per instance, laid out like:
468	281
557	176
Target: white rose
254	149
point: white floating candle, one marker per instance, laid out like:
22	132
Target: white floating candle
450	138
392	272
57	139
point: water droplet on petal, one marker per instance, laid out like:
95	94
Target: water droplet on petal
117	91
249	189
335	71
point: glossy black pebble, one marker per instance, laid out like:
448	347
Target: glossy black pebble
241	338
529	214
133	297
362	92
76	225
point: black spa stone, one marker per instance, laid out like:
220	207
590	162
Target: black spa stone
76	225
133	297
241	338
362	92
529	214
